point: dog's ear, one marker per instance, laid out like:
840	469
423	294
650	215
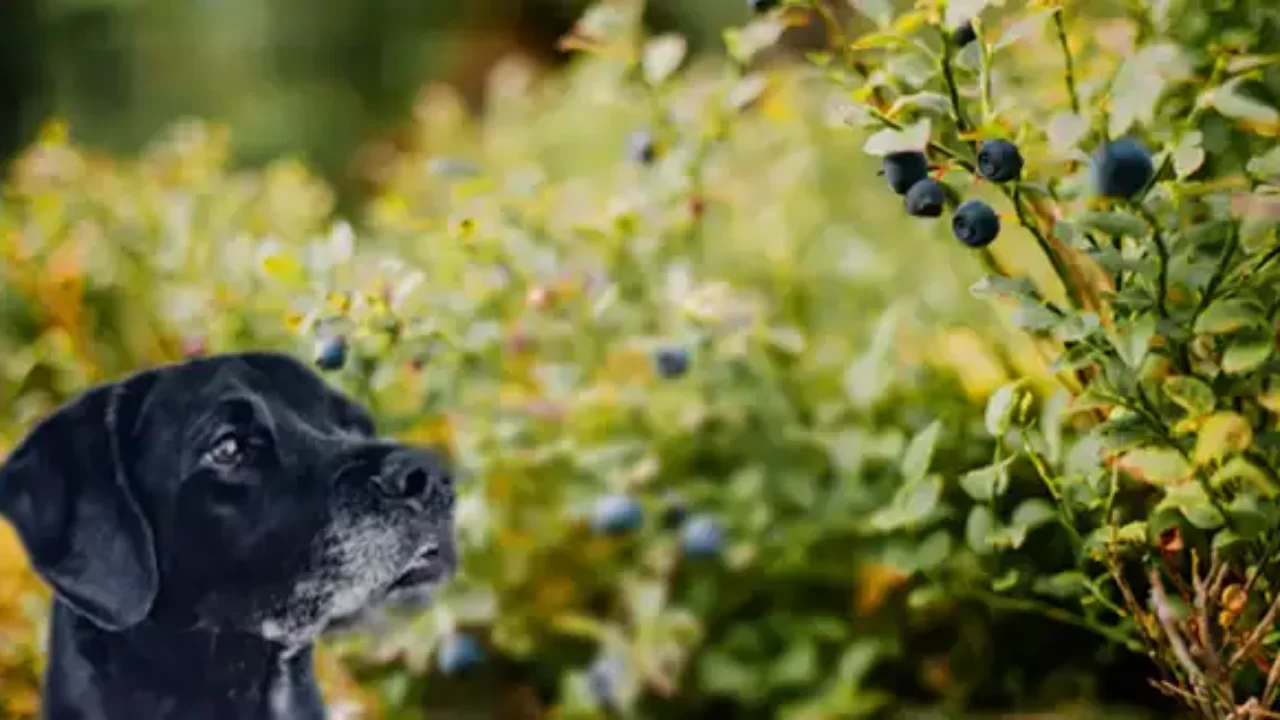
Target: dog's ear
67	491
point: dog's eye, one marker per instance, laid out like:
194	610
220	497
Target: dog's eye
226	452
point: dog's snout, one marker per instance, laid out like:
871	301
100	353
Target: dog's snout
409	474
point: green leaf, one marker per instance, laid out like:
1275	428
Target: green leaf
914	137
1190	394
987	483
745	42
919	453
1249	518
1063	586
1051	418
1228	315
1246	352
1000	407
1076	356
1114	222
934	550
1034	317
961	11
1229	101
927	101
1222	434
999	286
1158	466
1191	499
1021	29
1132	340
1077	327
1265	166
1188	156
662	55
979	527
1065	131
796	667
858	659
1032	513
1239	469
1006	581
1141	82
879	12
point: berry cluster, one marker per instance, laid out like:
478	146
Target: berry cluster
1119	169
974	222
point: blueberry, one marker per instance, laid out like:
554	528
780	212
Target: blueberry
602	679
702	536
671	362
459	653
999	161
975	223
331	353
925	199
674	509
1121	168
904	169
616	513
964	34
762	6
642	147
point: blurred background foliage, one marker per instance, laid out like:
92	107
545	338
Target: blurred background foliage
505	267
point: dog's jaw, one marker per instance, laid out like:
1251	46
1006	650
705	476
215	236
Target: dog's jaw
359	562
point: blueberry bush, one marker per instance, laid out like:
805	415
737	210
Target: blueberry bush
701	334
1147	176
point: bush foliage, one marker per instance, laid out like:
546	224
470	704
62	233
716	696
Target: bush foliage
837	483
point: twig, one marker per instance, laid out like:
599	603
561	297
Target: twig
1015	604
1070	66
1264	625
1164	616
1162	257
1233	242
953	90
1059	268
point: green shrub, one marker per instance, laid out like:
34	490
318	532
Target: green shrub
734	322
1162	463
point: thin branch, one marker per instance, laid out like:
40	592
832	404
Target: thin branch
1069	69
1255	638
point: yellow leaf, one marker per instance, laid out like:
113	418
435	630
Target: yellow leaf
875	582
1222	434
282	267
1158	466
340	302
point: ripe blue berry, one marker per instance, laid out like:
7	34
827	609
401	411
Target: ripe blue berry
702	536
964	34
675	509
999	161
904	169
975	223
642	147
331	353
671	362
925	199
616	514
1121	168
762	6
459	653
602	680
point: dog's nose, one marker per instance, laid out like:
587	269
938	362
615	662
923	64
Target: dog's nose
409	474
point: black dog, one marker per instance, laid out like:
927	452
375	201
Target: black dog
202	523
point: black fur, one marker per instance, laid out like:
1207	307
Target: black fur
190	583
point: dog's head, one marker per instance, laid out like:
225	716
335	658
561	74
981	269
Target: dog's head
238	491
